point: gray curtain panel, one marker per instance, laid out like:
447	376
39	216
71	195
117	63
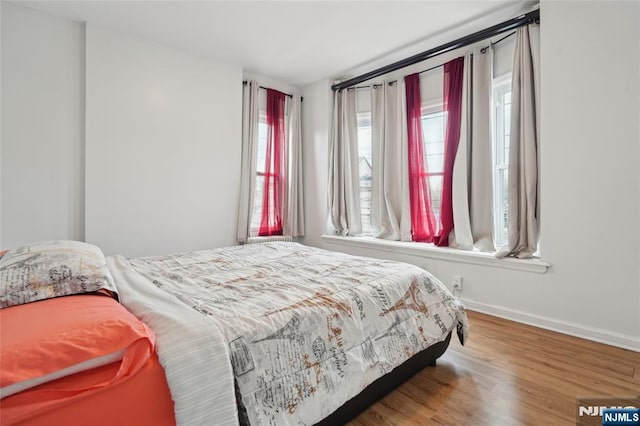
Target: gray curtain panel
250	117
522	223
461	237
386	137
480	156
344	184
294	203
472	173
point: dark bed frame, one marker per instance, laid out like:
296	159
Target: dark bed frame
385	384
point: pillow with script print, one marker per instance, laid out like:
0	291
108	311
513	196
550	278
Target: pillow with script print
51	269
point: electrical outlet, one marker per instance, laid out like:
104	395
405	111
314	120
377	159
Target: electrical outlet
457	283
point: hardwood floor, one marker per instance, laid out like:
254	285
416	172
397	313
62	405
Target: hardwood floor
508	374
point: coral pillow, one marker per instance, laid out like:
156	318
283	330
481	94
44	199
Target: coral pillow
50	269
47	340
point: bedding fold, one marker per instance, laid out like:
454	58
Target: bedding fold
190	348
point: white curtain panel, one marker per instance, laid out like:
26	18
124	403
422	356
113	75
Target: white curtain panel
250	122
522	224
294	210
386	138
344	183
399	135
460	237
480	153
472	172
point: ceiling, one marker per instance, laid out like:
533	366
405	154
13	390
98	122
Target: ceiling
297	42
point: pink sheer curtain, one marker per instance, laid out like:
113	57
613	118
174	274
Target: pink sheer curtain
274	170
423	224
453	77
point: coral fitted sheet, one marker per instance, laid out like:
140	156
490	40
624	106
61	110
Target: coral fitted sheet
142	399
79	360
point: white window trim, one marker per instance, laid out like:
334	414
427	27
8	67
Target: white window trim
533	265
364	122
499	84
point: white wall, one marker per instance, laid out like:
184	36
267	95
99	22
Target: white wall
161	167
42	145
590	175
589	161
163	147
316	121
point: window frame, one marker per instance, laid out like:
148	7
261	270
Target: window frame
254	228
499	87
363	120
430	109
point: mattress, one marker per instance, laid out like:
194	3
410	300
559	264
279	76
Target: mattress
141	400
67	356
304	330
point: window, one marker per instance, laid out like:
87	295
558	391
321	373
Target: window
365	170
501	128
434	123
260	165
271	196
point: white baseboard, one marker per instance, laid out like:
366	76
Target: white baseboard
572	329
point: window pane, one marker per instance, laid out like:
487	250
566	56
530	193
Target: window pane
364	143
433	130
503	206
435	185
365	170
434	148
502	124
507	126
435	163
257	206
433	126
262	146
261	155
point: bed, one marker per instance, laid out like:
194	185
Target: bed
282	333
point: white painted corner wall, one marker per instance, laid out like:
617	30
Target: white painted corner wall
162	137
316	128
42	139
163	147
590	182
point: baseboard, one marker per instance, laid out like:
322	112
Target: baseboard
572	329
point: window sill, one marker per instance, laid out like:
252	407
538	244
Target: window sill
534	265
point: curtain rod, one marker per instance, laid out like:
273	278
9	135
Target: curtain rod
527	18
392	81
244	83
482	50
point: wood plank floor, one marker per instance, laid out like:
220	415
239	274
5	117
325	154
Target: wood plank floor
508	374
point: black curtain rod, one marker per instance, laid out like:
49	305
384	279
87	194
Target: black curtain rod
244	83
483	50
392	81
527	18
